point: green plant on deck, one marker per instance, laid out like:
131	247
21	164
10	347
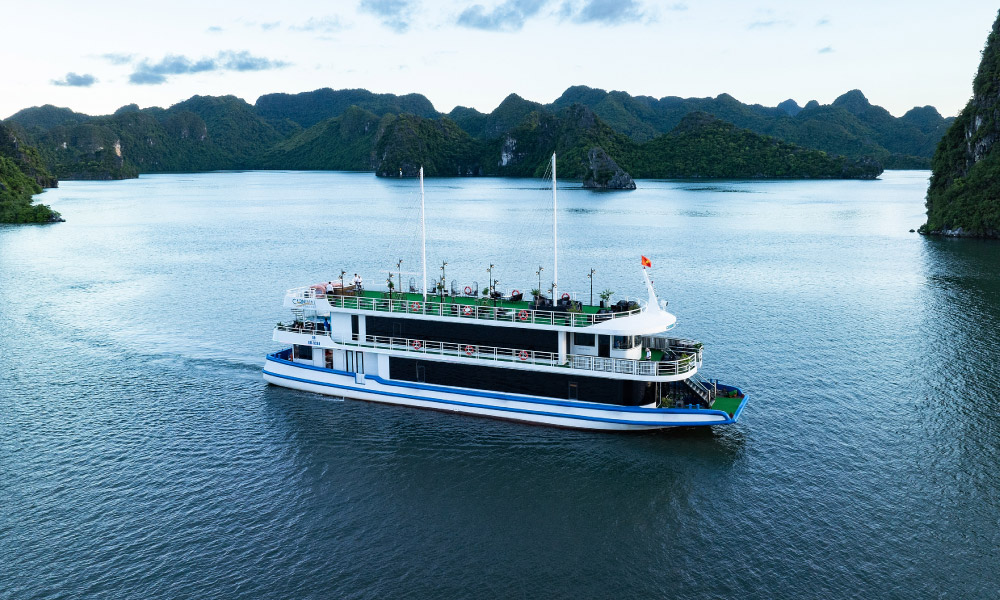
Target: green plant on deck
606	295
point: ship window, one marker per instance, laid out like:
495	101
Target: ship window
354	324
421	374
303	352
584	339
350	361
624	342
574	392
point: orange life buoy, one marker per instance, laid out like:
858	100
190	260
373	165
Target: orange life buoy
468	290
565	296
466	310
416	344
470	350
523	315
415	307
523	355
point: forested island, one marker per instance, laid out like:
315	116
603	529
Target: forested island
22	175
604	139
963	198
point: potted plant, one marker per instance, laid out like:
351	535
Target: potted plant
606	297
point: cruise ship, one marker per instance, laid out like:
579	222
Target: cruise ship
546	358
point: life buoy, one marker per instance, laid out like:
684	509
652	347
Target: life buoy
417	344
466	310
515	293
470	350
468	291
565	296
523	315
523	355
415	307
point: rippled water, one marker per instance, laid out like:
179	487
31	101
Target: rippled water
142	456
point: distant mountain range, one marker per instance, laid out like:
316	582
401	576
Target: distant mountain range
390	134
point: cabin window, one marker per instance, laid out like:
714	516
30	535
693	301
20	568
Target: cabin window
354	324
624	342
584	339
303	352
574	392
421	374
350	361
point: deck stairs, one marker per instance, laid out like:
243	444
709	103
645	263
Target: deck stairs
705	391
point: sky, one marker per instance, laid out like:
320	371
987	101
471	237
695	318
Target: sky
96	56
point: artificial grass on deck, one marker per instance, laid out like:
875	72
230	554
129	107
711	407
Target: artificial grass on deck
728	405
469	300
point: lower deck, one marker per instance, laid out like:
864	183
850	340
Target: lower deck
280	370
561	386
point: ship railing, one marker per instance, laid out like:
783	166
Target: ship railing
459	310
679	366
307	327
673	345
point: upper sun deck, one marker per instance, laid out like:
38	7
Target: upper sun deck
502	310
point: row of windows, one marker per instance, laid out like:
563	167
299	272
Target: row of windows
618	342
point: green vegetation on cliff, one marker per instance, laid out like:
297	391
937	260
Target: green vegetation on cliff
964	192
439	145
344	143
700	146
703	146
22	176
851	126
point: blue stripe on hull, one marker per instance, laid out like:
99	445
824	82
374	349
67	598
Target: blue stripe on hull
445	403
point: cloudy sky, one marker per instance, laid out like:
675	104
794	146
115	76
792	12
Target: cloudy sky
96	56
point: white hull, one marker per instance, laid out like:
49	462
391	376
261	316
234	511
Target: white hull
545	411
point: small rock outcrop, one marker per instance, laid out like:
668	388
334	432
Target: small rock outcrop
603	172
963	199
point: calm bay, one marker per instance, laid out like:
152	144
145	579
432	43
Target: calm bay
142	455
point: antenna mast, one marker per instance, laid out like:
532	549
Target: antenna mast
423	234
555	234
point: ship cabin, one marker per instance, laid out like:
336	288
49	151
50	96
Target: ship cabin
498	342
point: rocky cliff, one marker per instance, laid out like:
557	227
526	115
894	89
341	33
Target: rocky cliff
964	194
604	173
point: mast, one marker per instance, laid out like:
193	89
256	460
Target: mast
423	234
555	234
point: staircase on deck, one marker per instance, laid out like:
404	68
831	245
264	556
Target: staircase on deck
706	391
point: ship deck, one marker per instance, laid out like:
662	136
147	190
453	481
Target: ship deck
464	300
727	405
575	314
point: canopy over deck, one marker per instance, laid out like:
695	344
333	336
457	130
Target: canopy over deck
649	321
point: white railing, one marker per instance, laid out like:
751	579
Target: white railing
674	345
581	362
459	310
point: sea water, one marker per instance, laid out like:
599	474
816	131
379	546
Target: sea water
142	456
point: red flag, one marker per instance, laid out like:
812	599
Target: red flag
646	263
